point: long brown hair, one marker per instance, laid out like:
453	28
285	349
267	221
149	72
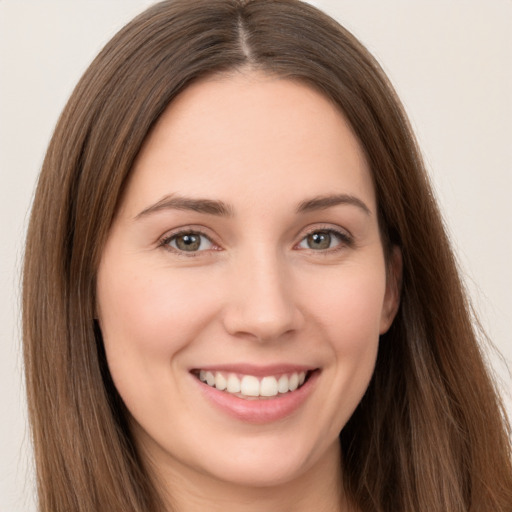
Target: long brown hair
430	433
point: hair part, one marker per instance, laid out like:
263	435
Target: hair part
430	433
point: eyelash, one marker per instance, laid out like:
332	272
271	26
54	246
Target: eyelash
345	240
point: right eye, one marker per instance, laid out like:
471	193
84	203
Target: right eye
188	241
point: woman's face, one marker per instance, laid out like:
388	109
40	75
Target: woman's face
245	260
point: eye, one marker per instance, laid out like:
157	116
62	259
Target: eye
322	240
188	241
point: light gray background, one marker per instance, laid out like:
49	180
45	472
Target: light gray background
451	62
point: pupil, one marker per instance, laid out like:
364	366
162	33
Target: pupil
188	242
319	241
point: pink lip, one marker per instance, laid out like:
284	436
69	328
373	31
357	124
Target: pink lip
259	411
255	370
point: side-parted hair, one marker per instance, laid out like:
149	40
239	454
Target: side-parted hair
430	434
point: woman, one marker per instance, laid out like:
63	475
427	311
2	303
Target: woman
195	337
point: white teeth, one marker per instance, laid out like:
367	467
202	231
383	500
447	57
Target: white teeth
268	386
282	385
293	384
220	381
251	386
210	379
233	384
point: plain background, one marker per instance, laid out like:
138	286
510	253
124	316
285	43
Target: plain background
451	63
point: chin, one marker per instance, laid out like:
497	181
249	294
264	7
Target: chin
269	461
264	472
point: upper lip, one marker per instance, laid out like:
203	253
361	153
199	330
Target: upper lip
256	370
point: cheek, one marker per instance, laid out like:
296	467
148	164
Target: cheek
146	321
153	311
351	307
349	314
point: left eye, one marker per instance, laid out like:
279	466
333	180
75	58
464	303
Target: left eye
321	240
189	242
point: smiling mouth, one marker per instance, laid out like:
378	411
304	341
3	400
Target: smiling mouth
250	387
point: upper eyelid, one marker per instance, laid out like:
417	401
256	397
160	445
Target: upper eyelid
199	230
186	232
324	227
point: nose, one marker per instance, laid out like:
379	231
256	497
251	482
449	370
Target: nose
262	304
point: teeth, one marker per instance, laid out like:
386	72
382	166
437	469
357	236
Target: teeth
210	379
282	385
233	384
251	386
220	381
268	386
293	384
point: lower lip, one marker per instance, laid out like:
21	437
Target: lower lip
259	411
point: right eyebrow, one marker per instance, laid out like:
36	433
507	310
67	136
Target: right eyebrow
175	202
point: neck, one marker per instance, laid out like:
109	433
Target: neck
318	488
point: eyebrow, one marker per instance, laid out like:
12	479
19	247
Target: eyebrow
219	208
328	201
174	202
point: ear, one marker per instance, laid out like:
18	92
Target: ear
393	289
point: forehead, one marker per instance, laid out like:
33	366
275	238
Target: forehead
247	136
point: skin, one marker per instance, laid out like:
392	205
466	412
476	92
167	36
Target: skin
255	291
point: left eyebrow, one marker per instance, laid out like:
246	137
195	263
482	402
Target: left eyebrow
323	202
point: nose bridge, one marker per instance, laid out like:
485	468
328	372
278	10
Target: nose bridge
262	303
